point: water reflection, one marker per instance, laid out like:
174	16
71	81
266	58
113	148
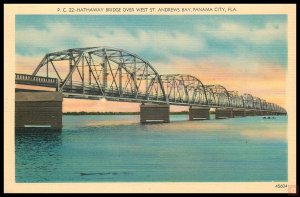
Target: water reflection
38	151
102	123
51	137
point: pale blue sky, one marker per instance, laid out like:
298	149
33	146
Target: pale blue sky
159	38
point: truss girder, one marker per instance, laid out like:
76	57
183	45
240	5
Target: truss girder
110	72
184	89
116	73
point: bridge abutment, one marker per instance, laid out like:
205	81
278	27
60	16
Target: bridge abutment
222	113
150	113
199	113
38	109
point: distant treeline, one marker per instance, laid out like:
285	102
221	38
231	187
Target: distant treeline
113	113
100	113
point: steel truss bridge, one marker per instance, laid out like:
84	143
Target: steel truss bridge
119	75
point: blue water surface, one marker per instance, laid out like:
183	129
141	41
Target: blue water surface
117	148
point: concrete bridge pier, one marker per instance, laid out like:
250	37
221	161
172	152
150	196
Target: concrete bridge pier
239	113
38	110
257	112
150	113
224	113
269	113
199	113
260	113
265	113
251	112
281	114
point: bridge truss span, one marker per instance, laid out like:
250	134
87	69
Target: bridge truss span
220	96
184	89
119	75
103	71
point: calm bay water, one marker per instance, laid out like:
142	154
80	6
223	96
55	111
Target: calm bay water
117	148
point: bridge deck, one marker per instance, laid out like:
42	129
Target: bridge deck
93	92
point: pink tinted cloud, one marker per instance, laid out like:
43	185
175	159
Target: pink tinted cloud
260	79
76	105
27	64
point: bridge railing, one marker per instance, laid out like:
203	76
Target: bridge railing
36	78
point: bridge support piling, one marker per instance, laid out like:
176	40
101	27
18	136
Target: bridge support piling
222	113
199	113
38	109
154	113
239	113
250	112
264	112
260	112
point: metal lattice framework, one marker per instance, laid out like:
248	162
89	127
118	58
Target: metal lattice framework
248	101
184	89
236	100
220	95
116	74
106	72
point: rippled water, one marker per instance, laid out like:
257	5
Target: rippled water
117	148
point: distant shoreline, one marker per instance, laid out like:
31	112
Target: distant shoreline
113	113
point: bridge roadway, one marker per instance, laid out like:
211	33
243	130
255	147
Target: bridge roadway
119	75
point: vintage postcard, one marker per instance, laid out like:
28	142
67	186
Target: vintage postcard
196	98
